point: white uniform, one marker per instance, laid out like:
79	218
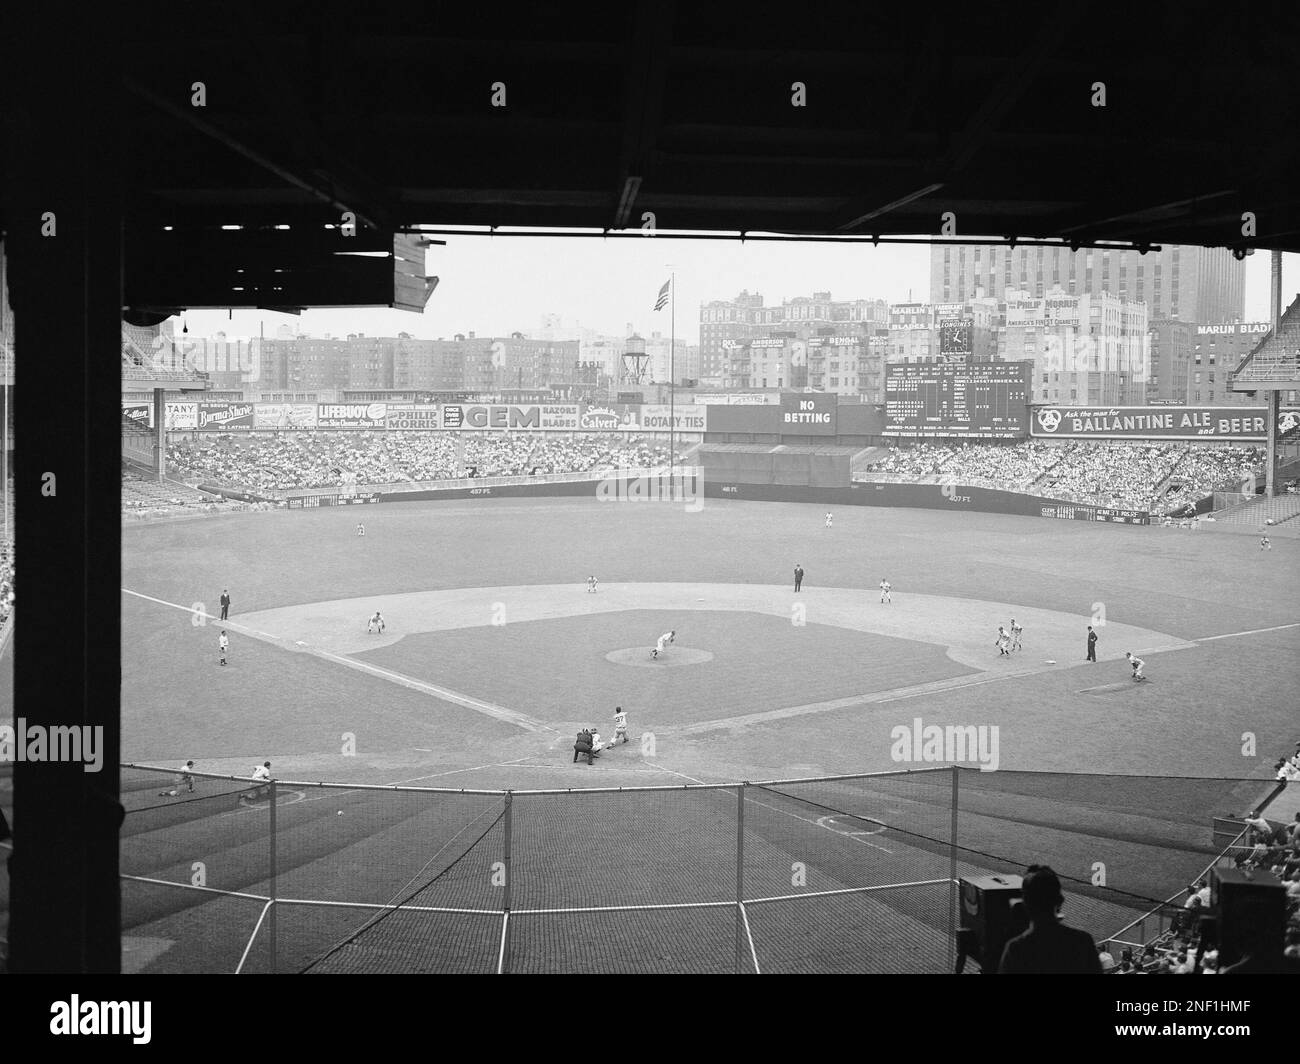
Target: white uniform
262	775
662	642
596	744
1137	664
620	727
828	520
591	584
885	588
375	624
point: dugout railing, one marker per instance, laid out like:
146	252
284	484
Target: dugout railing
831	874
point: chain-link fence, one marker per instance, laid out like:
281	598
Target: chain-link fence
842	874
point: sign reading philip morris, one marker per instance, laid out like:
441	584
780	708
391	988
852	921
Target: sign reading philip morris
808	414
1237	423
413	418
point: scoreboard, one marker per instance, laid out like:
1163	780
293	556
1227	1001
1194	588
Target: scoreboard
977	400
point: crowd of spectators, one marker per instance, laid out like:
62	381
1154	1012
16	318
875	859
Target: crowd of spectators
1274	848
1203	470
6	581
332	459
7	556
1019	464
1120	475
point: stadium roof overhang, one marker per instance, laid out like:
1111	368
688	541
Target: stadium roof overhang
1143	124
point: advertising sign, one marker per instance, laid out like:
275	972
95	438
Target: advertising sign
561	417
413	419
181	416
140	413
225	417
1232	423
681	418
285	415
955	338
352	415
740	399
600	418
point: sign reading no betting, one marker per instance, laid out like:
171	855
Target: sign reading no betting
808	414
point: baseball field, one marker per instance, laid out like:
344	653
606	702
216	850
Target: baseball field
494	655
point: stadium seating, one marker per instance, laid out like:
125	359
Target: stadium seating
1164	478
331	459
7	559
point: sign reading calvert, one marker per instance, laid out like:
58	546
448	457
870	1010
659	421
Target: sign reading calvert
1150	422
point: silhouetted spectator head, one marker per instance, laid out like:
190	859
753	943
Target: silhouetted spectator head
1041	890
1019	918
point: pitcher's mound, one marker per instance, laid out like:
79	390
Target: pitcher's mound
674	655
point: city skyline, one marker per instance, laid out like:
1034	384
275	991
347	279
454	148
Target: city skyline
500	285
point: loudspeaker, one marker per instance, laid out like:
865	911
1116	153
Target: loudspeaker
1251	908
986	917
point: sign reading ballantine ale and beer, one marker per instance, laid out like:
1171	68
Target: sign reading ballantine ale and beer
1231	423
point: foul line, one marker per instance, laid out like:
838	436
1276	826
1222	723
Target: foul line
785	812
446	694
1253	631
877	698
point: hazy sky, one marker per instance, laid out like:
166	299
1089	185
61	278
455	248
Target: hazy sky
498	285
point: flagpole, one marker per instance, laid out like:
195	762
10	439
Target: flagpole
672	376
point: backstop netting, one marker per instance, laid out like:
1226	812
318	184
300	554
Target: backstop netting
845	874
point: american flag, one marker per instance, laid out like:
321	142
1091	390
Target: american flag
663	295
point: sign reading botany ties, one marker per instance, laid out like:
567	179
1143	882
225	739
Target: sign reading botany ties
1238	423
808	414
681	417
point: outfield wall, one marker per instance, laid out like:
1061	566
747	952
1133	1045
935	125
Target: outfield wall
929	497
911	496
